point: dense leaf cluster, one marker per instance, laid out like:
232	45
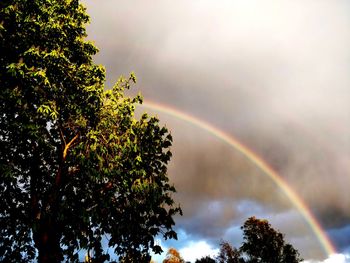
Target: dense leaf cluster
76	167
262	244
173	256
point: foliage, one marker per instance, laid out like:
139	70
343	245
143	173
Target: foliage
206	259
173	256
228	254
76	167
264	244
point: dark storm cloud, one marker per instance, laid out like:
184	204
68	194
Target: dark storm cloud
273	73
341	237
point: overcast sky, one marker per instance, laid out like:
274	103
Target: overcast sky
272	73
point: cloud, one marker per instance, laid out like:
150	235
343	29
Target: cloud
275	74
190	249
336	258
196	250
341	236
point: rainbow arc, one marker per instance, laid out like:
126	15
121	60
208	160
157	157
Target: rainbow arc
298	203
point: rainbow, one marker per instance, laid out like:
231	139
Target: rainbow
259	162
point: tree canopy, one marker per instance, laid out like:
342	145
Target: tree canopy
173	256
206	259
228	254
263	244
76	167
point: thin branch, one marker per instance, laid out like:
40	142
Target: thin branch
67	146
62	136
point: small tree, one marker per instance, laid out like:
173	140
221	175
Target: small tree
76	167
263	244
228	254
173	256
206	259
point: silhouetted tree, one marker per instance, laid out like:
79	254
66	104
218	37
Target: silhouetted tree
228	254
206	259
263	244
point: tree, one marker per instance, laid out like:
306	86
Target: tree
264	244
206	259
173	256
76	167
228	254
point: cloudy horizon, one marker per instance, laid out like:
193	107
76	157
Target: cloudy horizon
272	74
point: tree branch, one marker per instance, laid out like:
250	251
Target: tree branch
67	146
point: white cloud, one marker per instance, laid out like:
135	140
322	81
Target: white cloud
160	257
336	258
196	250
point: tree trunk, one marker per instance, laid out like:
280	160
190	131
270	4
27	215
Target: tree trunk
46	233
49	233
48	242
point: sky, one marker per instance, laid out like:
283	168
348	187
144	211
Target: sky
274	75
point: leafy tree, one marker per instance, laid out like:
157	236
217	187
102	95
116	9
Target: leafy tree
262	244
76	167
173	256
265	245
206	259
228	254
